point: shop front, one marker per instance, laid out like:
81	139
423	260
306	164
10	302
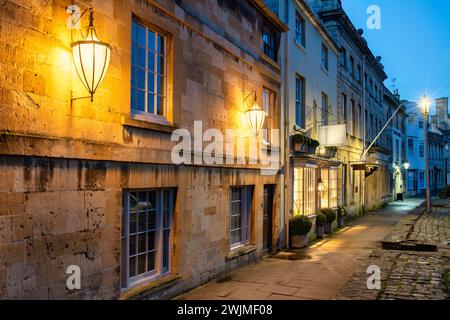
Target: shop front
315	185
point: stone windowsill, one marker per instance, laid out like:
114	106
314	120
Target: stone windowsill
153	286
270	61
300	46
240	251
142	124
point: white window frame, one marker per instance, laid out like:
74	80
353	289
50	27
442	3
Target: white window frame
163	95
300	23
128	281
245	216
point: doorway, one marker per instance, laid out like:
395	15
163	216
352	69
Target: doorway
269	192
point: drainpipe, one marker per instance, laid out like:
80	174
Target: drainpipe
287	168
365	126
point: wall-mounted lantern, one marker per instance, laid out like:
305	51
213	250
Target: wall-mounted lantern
91	58
320	185
255	116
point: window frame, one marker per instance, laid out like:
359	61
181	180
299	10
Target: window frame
300	21
270	50
166	114
300	102
126	280
270	110
325	57
246	221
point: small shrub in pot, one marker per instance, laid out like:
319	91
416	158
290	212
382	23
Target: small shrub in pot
299	227
321	221
331	217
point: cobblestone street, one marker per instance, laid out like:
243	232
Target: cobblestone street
414	261
335	268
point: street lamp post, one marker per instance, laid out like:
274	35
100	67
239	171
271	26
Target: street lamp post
425	104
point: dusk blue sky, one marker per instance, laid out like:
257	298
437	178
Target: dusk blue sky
414	42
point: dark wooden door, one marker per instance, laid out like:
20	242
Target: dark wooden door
269	191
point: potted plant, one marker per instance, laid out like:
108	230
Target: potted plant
299	227
330	152
331	216
321	221
300	142
342	213
313	145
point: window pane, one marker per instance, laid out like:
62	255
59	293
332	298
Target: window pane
141	35
151	241
132	267
151	82
161	45
159	105
132	249
151	259
133	222
142	243
161	65
140	100
138	76
142	264
151	103
151	220
151	61
160	88
142	221
151	40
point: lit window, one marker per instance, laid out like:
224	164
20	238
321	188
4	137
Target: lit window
268	104
240	217
305	188
146	235
329	195
148	71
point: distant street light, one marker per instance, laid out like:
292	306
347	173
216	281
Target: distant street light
425	104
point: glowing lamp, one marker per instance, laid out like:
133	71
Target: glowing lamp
425	104
320	185
91	58
406	165
256	117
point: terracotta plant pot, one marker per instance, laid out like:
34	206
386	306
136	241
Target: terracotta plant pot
320	232
340	222
299	242
328	228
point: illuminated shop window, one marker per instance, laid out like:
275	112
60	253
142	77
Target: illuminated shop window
305	188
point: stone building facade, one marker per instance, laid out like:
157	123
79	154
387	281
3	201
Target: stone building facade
93	185
309	90
393	141
416	151
360	104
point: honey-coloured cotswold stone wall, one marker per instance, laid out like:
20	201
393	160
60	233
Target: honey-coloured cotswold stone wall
64	167
56	213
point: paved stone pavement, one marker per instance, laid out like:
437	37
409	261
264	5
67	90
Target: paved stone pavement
318	272
408	272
